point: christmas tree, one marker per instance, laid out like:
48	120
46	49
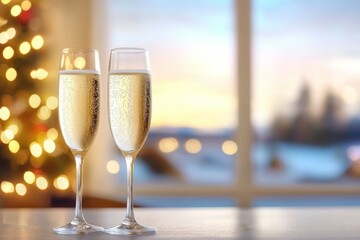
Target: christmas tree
32	153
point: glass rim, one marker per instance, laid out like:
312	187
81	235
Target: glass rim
129	50
74	49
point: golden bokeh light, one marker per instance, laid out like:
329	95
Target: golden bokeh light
26	5
41	183
112	166
229	147
14	146
49	146
52	134
41	74
4	139
24	48
14	128
7	187
4	37
37	42
7	135
8	52
80	62
11	33
44	113
15	10
11	74
52	102
4	113
34	101
193	145
33	74
35	149
5	1
29	177
61	182
168	145
20	189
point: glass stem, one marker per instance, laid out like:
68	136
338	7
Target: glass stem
130	218
79	188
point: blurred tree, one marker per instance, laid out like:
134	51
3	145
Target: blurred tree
304	128
29	137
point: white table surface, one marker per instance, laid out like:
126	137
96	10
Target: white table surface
193	223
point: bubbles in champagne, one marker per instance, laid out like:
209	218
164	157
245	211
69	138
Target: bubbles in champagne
78	108
129	109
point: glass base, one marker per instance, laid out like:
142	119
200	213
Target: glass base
132	228
76	227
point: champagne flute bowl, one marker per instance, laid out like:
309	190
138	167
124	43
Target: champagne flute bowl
129	103
79	102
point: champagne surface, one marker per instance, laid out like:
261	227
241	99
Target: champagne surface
79	108
129	109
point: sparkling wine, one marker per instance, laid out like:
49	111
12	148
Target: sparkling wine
79	107
129	108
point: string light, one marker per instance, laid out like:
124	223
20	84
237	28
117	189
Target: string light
11	32
44	113
34	101
29	177
193	145
4	113
61	182
4	139
11	74
7	187
14	146
168	145
7	136
14	128
26	5
24	48
52	134
5	1
229	147
41	183
52	103
49	146
112	166
15	10
37	42
20	189
3	38
8	52
80	62
40	74
35	149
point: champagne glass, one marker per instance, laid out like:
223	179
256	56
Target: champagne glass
79	78
129	116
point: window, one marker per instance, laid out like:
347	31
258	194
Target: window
304	100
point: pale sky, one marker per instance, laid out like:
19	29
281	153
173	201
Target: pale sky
192	50
191	46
